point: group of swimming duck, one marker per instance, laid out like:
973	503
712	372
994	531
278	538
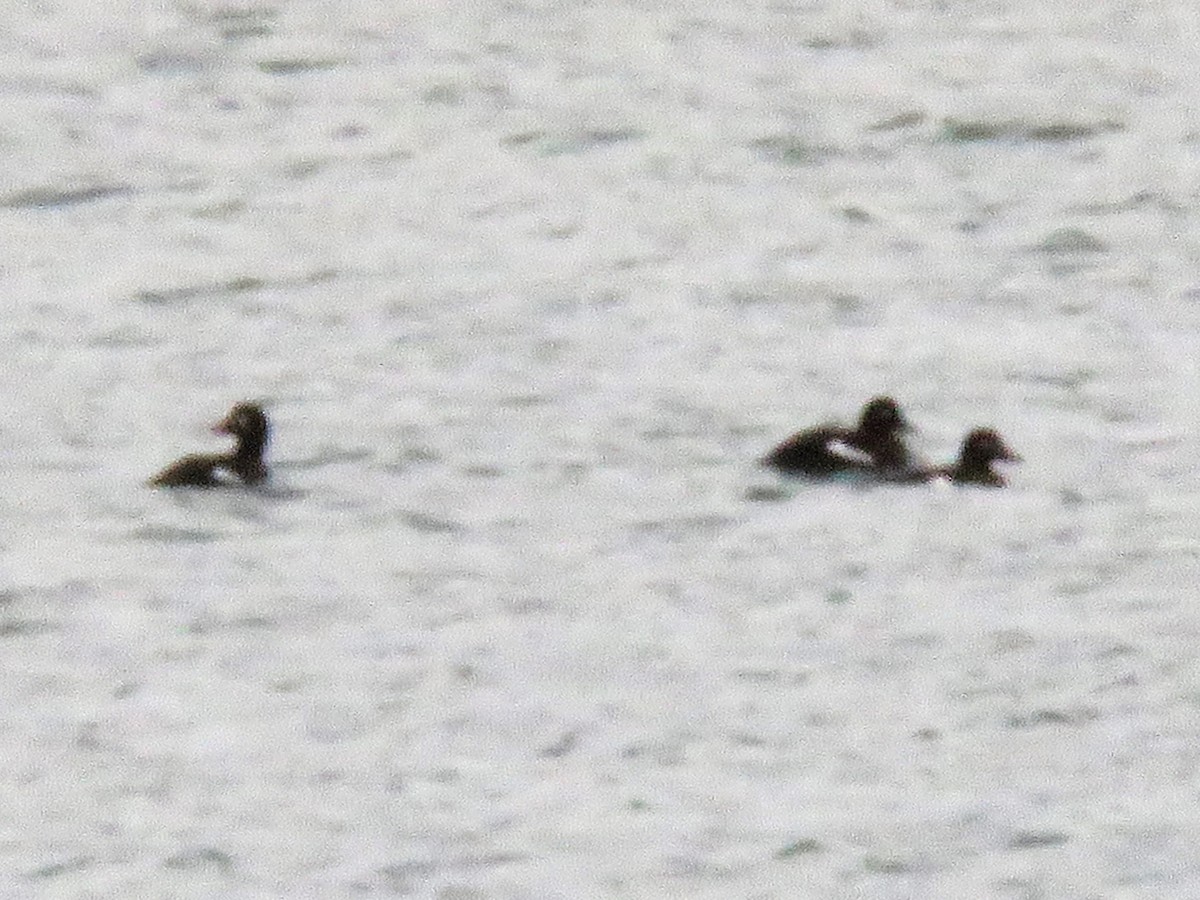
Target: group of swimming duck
874	450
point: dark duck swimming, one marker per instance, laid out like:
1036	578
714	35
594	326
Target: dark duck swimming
247	424
981	449
875	447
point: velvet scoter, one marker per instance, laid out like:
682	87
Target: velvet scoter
247	424
981	448
874	447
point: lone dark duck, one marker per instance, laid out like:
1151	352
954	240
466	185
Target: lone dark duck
874	447
247	424
981	449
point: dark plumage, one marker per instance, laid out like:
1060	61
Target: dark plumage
980	449
875	446
247	423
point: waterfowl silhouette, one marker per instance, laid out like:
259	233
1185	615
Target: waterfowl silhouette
980	449
875	446
247	423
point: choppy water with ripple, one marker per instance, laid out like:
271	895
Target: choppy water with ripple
527	289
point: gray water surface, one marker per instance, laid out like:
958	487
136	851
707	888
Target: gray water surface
527	289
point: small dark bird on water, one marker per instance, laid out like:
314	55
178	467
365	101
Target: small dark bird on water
247	423
981	448
875	447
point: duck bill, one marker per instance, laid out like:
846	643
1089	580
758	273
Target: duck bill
223	427
1011	456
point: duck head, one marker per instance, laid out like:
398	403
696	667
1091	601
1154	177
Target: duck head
247	423
882	417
